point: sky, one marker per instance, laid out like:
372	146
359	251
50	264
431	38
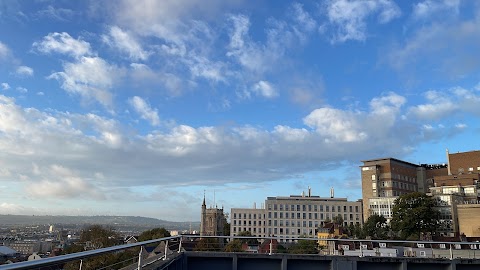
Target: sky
140	107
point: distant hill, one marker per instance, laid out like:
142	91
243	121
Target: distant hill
102	220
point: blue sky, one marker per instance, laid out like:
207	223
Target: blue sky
135	107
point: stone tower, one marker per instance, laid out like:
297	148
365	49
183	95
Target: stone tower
212	220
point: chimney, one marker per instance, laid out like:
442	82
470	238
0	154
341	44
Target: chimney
309	192
332	193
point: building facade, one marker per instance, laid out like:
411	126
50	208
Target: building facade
212	221
451	184
469	219
294	216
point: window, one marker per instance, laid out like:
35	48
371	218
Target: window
383	245
421	245
275	207
274	214
309	207
374	177
374	185
234	215
442	246
423	254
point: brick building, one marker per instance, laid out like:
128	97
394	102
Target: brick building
454	183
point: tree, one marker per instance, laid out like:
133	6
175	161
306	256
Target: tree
249	241
234	246
208	244
226	228
304	246
153	234
338	220
376	227
95	237
413	214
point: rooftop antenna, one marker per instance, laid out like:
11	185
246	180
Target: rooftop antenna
214	203
309	192
332	192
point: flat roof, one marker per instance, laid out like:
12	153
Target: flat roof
389	158
305	198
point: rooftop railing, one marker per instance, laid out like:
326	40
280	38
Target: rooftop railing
323	246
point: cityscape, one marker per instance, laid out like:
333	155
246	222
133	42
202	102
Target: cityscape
210	134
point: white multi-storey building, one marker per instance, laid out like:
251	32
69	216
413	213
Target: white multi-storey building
294	216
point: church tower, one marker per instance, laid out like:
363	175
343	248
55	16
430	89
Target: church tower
203	216
212	220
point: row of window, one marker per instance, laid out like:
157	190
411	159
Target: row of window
255	216
313	207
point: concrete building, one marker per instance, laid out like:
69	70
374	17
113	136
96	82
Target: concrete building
294	216
247	219
212	221
26	247
469	219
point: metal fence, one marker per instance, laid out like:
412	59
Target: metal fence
340	247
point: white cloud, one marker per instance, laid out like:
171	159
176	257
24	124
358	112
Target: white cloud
125	43
96	149
4	51
348	18
5	86
337	125
22	89
89	77
265	89
63	43
60	182
428	8
145	111
445	47
24	71
441	104
60	14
